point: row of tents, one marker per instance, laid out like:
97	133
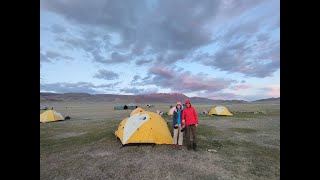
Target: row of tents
140	127
130	106
219	110
51	115
149	127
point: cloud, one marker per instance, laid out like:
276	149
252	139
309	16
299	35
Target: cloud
160	33
44	58
241	30
263	37
254	56
246	46
240	87
164	73
184	82
79	87
271	91
96	46
220	95
106	74
135	79
117	58
139	91
51	56
58	29
143	61
170	31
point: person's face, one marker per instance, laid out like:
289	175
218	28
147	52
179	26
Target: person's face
179	106
188	104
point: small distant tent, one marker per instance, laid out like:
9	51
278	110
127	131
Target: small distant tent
159	112
204	113
132	106
137	110
150	105
220	110
119	107
50	116
144	127
170	112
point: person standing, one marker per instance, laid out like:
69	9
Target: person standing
189	115
177	126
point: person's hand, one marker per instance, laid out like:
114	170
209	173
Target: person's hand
176	125
196	125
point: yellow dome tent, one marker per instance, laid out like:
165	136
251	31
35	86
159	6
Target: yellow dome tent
137	110
220	110
144	127
170	112
50	116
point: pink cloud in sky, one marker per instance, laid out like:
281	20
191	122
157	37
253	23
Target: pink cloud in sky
274	91
186	81
162	72
219	95
240	87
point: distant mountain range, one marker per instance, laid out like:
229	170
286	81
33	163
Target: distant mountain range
146	98
268	100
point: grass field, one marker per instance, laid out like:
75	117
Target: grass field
243	146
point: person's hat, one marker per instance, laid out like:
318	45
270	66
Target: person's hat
179	103
187	102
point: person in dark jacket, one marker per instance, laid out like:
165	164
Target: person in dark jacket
178	124
189	115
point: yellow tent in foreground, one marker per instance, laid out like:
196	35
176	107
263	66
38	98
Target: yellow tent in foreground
220	110
144	127
50	116
137	110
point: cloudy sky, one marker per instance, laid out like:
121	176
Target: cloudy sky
219	49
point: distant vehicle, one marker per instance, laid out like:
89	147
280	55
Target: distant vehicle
45	108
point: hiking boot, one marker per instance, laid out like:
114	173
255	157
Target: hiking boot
194	146
180	147
174	146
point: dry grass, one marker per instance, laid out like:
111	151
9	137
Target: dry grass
247	146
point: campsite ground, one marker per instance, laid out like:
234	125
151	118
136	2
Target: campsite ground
243	146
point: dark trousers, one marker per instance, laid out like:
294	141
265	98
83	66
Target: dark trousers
191	129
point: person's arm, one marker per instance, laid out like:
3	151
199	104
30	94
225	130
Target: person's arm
183	119
174	119
195	115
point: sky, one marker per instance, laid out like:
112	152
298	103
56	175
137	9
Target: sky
218	49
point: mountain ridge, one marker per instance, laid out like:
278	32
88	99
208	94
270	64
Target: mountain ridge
141	98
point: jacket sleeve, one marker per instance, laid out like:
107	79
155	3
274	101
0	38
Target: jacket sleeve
174	118
183	115
182	119
195	115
